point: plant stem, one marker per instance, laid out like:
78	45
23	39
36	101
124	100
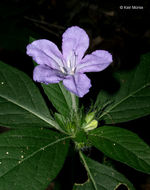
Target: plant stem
75	108
74	105
88	170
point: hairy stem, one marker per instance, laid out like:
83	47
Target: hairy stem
74	105
75	109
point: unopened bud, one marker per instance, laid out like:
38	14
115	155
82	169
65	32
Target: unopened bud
92	125
89	117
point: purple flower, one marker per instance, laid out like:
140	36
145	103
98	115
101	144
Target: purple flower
70	65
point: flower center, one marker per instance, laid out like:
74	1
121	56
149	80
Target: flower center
70	66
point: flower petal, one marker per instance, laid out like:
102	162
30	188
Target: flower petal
45	74
95	62
74	43
78	84
45	52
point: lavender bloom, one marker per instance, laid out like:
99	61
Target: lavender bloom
68	66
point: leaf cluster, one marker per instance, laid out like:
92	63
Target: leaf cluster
34	149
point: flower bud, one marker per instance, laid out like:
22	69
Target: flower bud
92	125
89	117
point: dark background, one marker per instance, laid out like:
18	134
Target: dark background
124	33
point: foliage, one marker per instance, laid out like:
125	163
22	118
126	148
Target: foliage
34	149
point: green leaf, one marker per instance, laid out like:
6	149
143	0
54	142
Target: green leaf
31	158
101	177
132	100
60	98
21	104
122	145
